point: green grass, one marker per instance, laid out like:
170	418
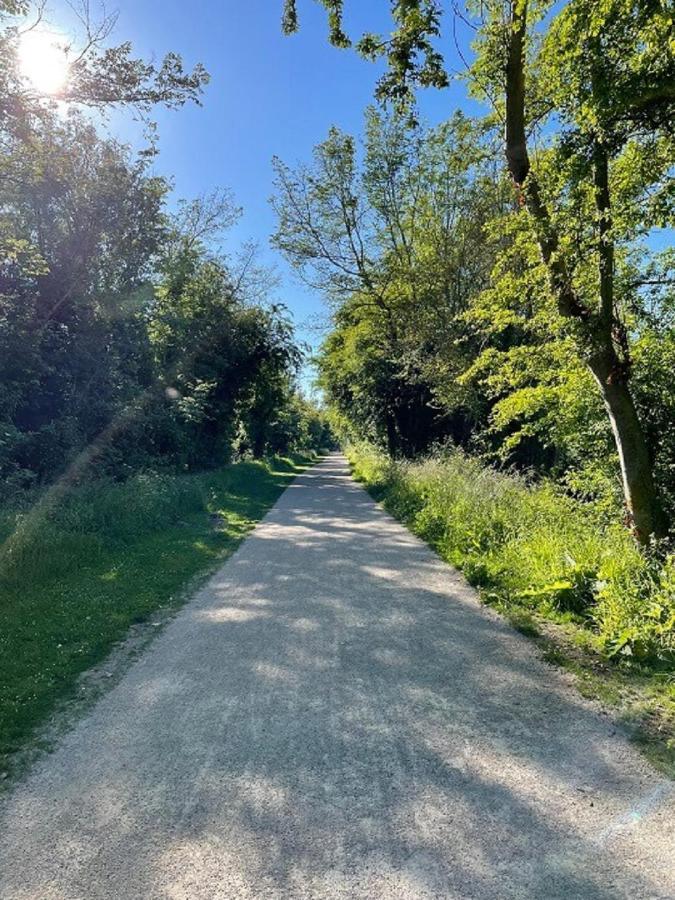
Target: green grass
561	570
109	555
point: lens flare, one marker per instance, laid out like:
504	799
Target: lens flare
43	61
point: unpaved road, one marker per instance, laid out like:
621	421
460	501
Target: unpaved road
334	716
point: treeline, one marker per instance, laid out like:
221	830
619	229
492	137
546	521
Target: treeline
127	337
501	282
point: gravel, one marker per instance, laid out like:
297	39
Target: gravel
335	716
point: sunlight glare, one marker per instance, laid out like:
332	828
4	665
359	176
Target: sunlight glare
43	61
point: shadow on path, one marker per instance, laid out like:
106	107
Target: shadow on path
335	716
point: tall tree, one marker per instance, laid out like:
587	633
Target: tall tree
127	337
393	238
600	78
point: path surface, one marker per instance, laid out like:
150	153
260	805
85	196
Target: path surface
334	716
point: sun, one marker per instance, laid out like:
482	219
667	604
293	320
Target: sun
43	60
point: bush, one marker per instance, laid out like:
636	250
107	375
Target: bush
533	546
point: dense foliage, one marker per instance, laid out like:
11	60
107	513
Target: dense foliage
127	337
137	359
512	268
443	326
395	240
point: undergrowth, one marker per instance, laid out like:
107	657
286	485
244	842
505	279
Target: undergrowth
538	554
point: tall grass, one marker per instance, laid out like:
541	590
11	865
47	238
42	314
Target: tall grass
75	575
532	546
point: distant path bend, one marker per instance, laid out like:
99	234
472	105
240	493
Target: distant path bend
334	716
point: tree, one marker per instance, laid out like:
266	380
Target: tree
394	239
601	119
600	78
89	220
226	362
127	336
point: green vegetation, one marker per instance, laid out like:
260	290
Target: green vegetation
502	284
541	556
109	555
129	338
138	360
534	547
580	99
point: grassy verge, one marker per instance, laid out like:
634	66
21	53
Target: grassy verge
558	569
111	555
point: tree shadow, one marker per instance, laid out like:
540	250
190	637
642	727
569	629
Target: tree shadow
334	715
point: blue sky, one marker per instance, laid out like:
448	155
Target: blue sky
269	95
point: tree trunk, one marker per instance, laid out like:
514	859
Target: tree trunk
258	447
636	466
612	373
392	435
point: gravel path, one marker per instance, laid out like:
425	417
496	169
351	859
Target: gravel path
334	716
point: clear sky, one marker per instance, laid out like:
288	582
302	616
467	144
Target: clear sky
269	95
